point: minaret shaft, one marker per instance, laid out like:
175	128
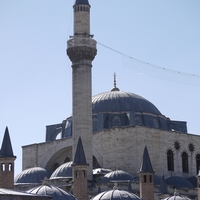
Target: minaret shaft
82	109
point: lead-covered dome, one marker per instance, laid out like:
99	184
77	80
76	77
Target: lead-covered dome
117	175
119	101
177	197
33	175
64	171
116	195
49	190
117	109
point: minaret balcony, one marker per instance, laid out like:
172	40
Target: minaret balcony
81	49
81	42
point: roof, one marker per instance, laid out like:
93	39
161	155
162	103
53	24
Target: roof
146	163
119	101
79	158
116	195
81	2
6	147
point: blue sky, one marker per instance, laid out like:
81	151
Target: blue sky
35	78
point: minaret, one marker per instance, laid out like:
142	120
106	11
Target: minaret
7	163
81	49
79	166
146	177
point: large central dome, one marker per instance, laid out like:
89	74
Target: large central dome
118	101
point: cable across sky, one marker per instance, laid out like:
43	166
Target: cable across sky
155	70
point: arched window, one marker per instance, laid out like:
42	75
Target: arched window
185	167
155	123
67	159
138	121
116	122
170	160
56	165
198	162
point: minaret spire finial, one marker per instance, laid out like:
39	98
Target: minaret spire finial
115	83
114	80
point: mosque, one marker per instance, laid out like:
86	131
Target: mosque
119	145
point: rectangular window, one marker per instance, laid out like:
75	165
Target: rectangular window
145	178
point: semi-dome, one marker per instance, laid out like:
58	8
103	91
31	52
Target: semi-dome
119	101
116	195
49	190
34	175
64	171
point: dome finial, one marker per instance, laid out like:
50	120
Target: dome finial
115	85
114	80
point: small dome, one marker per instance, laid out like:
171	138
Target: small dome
64	171
178	182
175	197
118	101
34	175
55	192
117	176
116	195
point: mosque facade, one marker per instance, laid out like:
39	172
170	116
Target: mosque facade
115	127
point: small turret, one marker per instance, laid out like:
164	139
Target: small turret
7	159
80	187
146	175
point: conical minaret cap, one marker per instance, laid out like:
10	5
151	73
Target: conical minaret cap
163	186
6	147
146	166
79	158
86	2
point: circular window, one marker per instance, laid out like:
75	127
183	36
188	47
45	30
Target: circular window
191	147
177	145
